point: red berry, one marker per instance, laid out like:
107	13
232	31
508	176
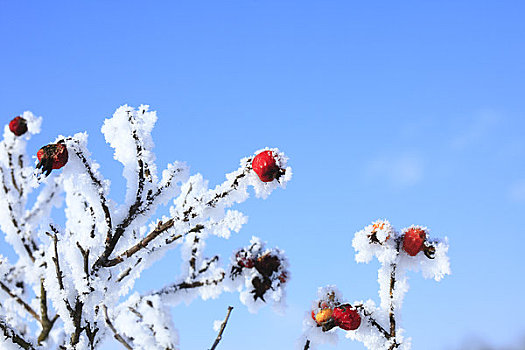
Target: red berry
243	260
18	126
265	166
413	240
346	317
53	156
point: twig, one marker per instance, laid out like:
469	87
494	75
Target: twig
223	326
47	324
115	333
20	301
57	267
307	345
16	338
373	321
188	285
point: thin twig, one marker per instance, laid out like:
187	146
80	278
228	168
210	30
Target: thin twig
223	326
16	338
391	312
115	333
47	324
372	321
20	301
307	345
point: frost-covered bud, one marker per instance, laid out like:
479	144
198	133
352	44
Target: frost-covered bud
53	156
380	232
18	126
413	240
265	166
346	317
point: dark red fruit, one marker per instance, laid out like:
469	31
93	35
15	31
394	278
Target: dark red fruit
243	260
413	240
265	166
18	126
346	317
53	156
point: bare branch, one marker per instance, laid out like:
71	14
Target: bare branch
115	333
223	326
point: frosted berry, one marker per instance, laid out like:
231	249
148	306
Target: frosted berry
323	316
18	126
413	240
53	156
346	317
265	166
243	260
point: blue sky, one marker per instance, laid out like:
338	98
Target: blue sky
410	111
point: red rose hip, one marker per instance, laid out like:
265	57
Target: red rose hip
346	317
265	166
53	156
413	240
18	126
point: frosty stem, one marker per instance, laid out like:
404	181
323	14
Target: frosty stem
223	326
391	314
307	344
115	333
16	338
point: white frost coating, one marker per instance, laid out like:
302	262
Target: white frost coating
90	262
382	241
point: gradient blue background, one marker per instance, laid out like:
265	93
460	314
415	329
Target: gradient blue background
407	110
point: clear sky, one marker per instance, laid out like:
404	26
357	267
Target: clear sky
408	110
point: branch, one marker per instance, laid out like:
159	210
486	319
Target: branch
373	321
29	245
115	333
391	312
20	301
223	326
188	285
98	184
307	345
10	333
46	323
58	272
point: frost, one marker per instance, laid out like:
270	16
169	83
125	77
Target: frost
72	285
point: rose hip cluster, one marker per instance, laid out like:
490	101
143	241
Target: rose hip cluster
331	313
268	265
52	156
